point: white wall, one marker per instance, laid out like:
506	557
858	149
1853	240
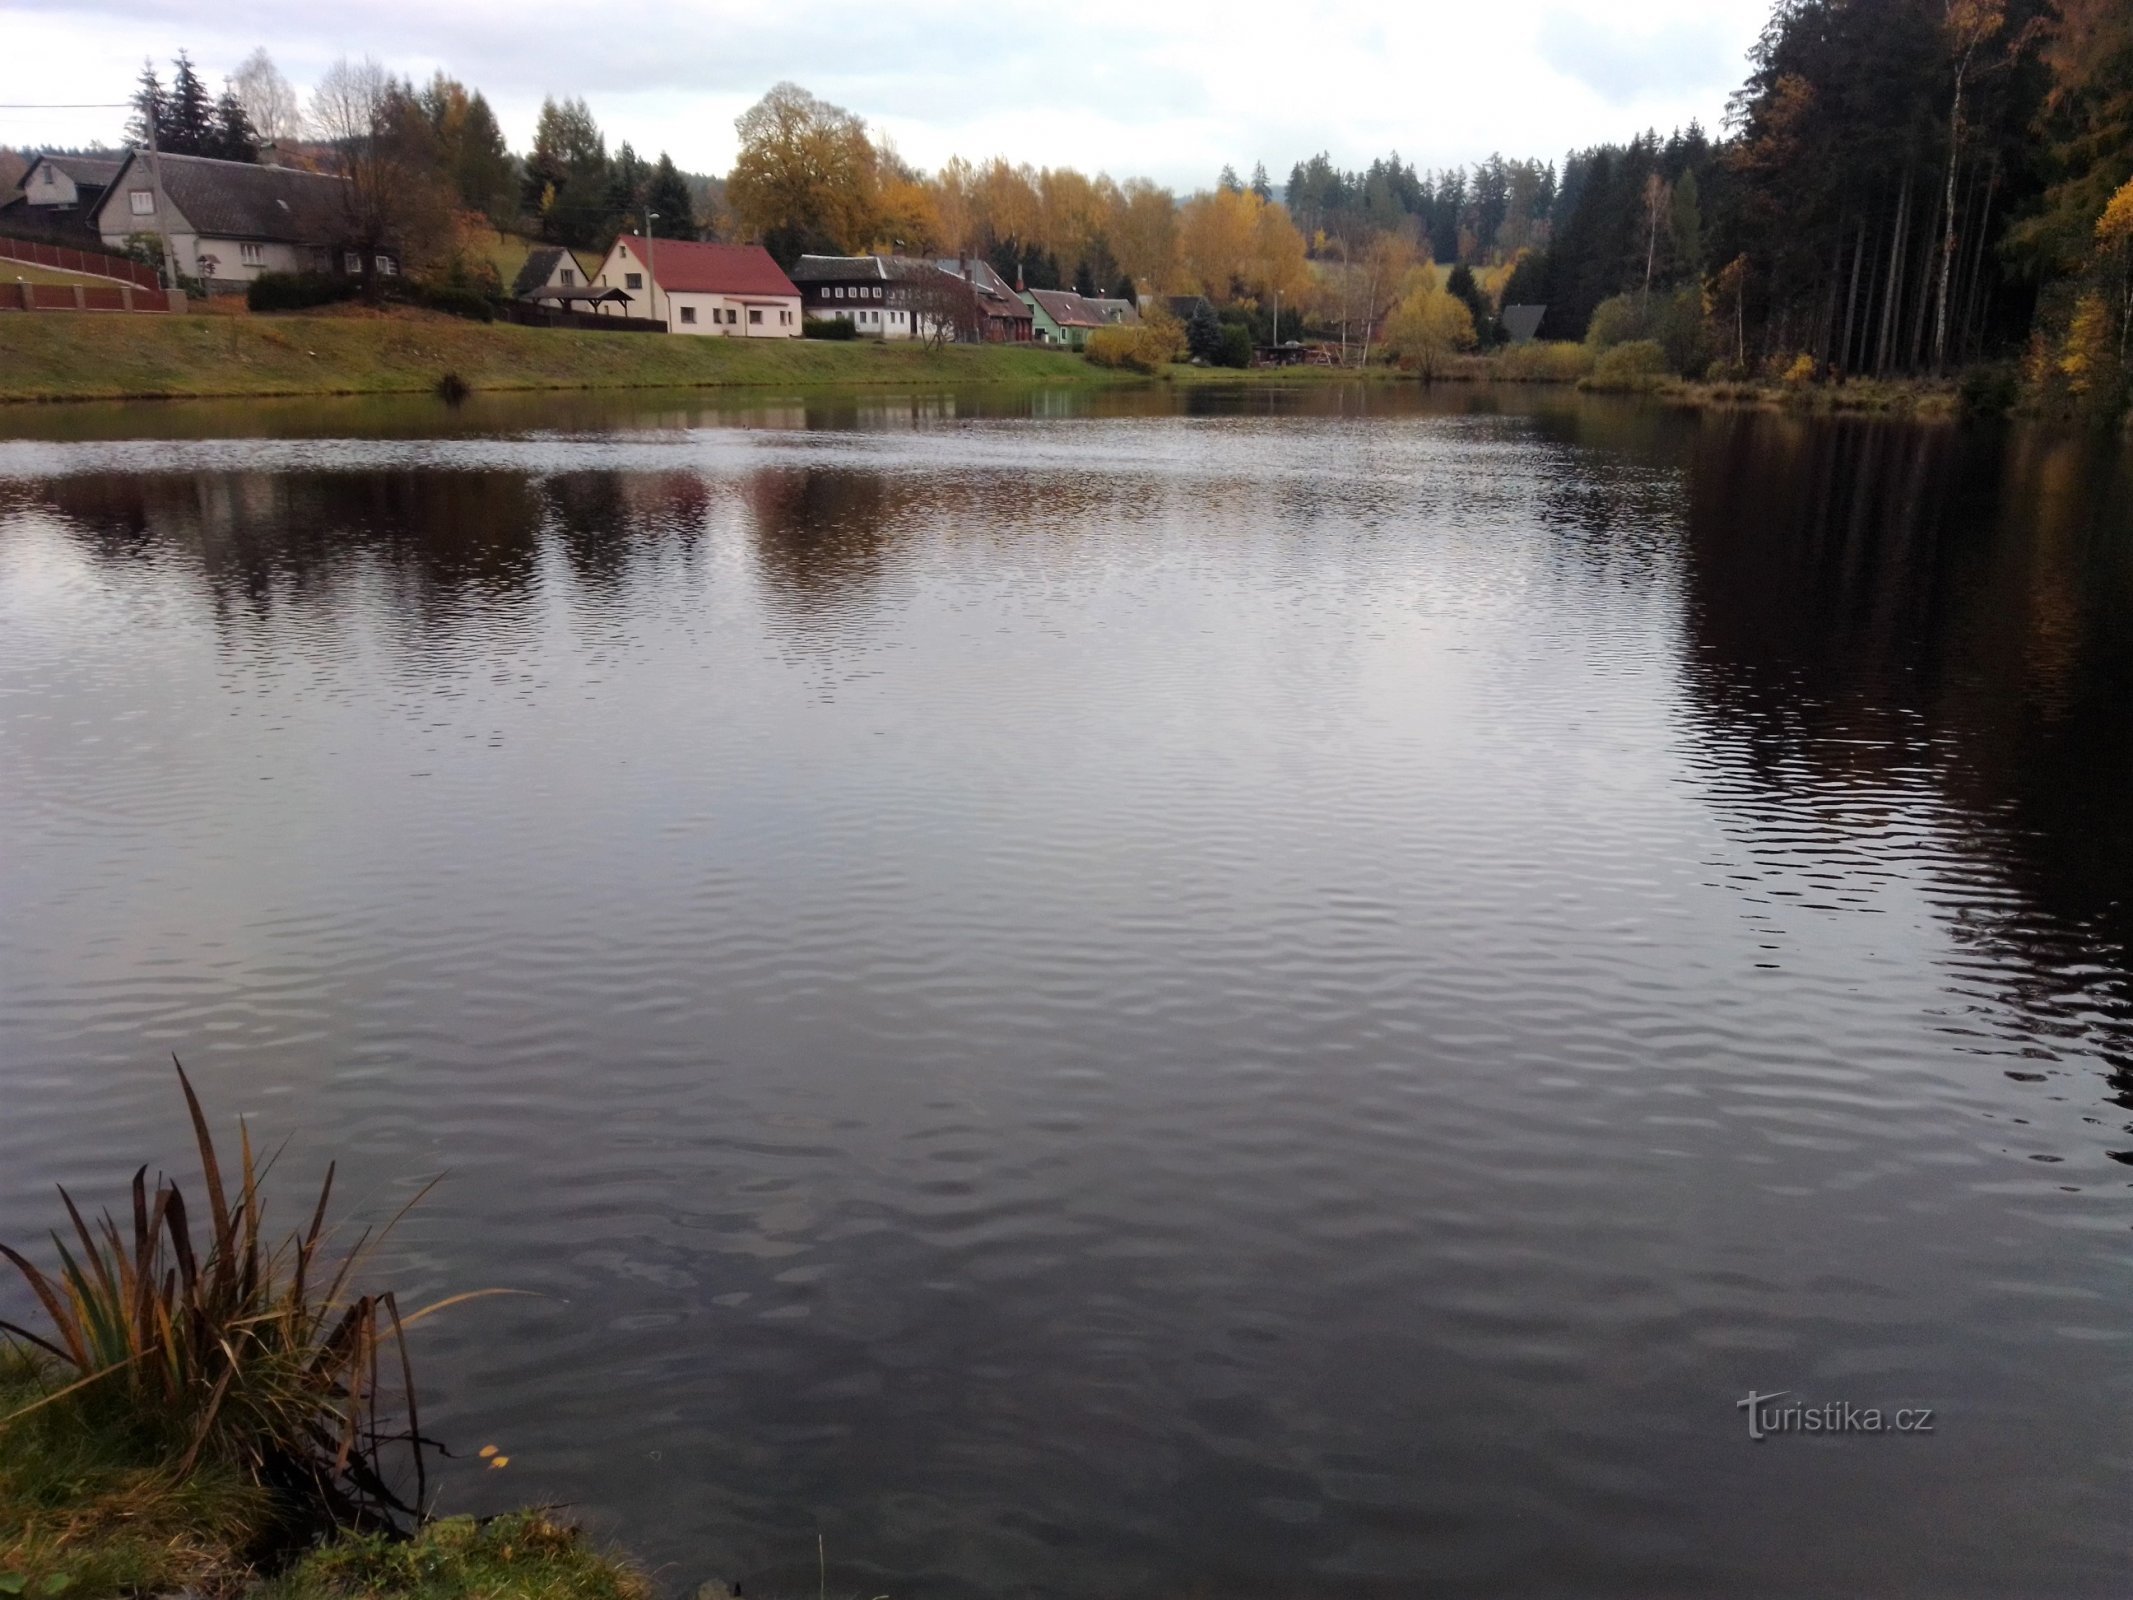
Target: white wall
778	316
51	187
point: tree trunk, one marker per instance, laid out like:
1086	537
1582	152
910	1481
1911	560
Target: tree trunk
1851	297
1947	243
1924	299
1892	291
1974	307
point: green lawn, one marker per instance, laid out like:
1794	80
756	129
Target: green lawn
58	356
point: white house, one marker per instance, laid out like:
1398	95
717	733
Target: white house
229	221
57	188
733	291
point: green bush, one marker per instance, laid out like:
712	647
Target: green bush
456	300
1236	346
296	291
832	328
1672	320
1638	364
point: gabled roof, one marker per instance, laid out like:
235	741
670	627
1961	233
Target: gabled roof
86	172
836	269
237	200
539	267
994	295
1067	308
1124	311
681	266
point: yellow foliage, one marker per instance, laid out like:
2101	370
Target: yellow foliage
1233	245
1428	328
2088	344
805	165
2115	226
1801	372
1141	349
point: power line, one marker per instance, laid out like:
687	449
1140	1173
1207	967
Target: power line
64	105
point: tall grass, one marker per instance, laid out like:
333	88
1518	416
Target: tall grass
232	1347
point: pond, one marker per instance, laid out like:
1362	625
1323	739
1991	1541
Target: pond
1237	992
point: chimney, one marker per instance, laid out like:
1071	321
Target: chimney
1018	278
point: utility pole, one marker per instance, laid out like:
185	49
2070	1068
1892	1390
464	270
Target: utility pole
155	192
651	278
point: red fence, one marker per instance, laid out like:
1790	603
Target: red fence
85	297
94	262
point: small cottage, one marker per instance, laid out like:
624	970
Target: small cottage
733	291
226	222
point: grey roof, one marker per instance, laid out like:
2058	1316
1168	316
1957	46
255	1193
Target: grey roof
1521	322
835	269
236	200
87	172
1124	311
996	296
1182	306
540	263
1067	308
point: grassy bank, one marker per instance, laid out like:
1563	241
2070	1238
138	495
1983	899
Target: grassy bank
76	357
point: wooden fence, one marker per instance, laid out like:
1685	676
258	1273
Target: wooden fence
97	263
528	315
86	297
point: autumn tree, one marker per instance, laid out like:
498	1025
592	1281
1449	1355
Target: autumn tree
565	183
807	176
380	139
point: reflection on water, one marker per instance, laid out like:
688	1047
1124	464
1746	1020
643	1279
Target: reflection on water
1269	993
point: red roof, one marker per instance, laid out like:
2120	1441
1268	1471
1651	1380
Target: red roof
680	267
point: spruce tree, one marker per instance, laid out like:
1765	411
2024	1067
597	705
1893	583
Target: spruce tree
1203	334
151	112
234	138
189	128
669	197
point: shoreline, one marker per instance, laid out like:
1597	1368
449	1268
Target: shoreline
60	359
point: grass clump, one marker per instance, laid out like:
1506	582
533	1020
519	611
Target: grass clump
91	1509
525	1555
228	1350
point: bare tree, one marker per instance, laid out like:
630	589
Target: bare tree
944	307
267	99
398	196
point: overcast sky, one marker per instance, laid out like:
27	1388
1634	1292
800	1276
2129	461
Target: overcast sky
1169	90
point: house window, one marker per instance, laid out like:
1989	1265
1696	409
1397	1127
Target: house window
732	315
688	313
386	269
755	315
352	260
251	255
633	280
876	293
570	279
143	202
785	317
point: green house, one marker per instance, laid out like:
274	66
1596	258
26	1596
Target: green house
1062	316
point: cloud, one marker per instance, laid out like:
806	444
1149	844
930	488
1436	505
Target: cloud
1171	92
1628	65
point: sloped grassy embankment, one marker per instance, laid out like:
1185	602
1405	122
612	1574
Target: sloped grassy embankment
60	356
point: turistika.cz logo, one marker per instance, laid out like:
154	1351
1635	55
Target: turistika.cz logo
1766	1417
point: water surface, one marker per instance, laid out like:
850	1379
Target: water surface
1248	993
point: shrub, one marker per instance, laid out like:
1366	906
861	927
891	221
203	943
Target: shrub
1801	372
1543	361
1236	346
1638	364
1990	390
1427	330
296	291
1142	349
455	299
230	1348
833	328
